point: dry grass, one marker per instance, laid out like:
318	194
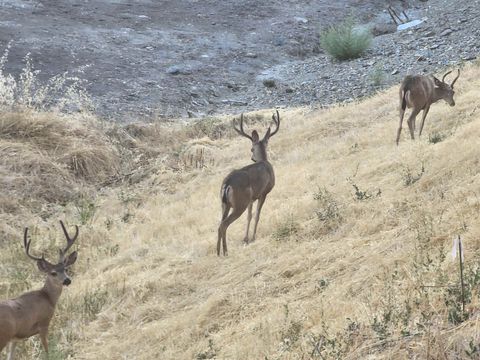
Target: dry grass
346	284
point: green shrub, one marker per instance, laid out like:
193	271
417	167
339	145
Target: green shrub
344	41
377	76
286	229
436	137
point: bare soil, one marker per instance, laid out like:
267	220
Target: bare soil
169	58
194	58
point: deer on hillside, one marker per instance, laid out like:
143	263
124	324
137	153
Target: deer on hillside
419	92
30	313
242	187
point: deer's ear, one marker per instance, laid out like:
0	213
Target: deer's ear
70	260
44	266
437	82
255	136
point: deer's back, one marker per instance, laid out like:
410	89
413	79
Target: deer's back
258	178
418	90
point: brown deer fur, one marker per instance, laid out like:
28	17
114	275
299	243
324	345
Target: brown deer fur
418	93
242	187
30	313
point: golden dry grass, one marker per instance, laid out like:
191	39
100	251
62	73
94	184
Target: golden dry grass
351	285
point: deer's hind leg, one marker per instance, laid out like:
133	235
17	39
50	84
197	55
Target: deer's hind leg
224	226
411	122
257	215
10	350
225	211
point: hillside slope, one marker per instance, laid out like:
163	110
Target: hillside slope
351	259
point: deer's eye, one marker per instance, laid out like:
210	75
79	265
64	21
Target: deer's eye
53	273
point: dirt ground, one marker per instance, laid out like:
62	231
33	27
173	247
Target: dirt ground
169	58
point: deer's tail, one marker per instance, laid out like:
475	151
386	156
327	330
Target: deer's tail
404	89
226	188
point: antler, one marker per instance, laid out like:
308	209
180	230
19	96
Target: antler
70	240
444	76
26	244
453	82
240	130
276	120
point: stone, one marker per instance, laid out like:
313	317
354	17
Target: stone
446	32
300	19
178	69
269	83
382	29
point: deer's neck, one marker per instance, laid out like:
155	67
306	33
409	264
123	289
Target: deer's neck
263	155
52	289
437	95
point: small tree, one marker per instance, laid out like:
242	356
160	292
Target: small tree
344	41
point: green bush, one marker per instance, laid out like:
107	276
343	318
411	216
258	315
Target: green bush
344	42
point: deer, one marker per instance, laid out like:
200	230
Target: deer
242	187
30	313
419	92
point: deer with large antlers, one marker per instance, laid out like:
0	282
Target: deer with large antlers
242	187
419	92
30	313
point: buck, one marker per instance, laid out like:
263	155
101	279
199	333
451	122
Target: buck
30	313
419	92
242	187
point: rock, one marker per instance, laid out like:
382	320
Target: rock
469	57
446	32
178	69
409	25
382	29
251	55
270	83
394	72
300	19
289	90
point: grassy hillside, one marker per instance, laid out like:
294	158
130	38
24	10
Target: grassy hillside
351	259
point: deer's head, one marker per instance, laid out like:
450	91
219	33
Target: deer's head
259	147
57	273
444	90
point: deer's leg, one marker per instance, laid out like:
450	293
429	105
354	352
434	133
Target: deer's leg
424	115
257	215
249	218
402	114
44	338
226	223
225	210
411	122
11	350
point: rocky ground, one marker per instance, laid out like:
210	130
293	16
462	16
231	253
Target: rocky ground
194	58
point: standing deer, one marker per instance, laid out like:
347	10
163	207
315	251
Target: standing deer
243	186
419	92
30	313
